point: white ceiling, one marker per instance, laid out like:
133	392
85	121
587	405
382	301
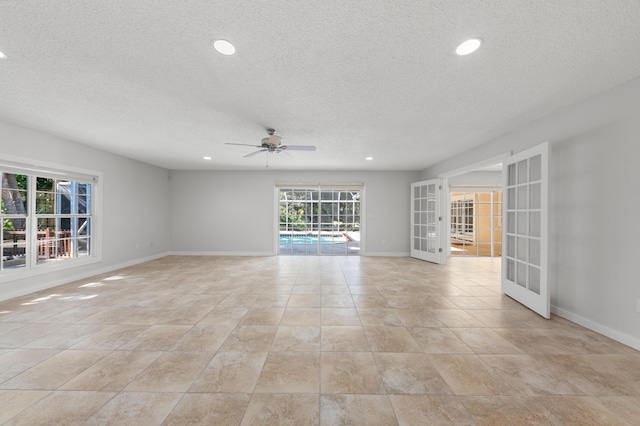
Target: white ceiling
355	78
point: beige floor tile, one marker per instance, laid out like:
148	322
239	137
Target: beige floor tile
271	300
290	372
390	339
430	410
379	317
230	372
111	337
135	408
418	318
339	316
296	338
344	339
224	316
283	409
72	315
335	289
24	335
408	373
263	316
15	361
356	410
540	410
304	301
65	337
469	375
170	372
336	301
6	327
485	341
208	409
469	302
438	341
511	318
306	289
370	301
63	407
365	290
157	338
250	338
350	372
533	373
596	375
499	302
301	316
55	371
627	407
113	372
455	318
203	338
186	314
468	354
15	401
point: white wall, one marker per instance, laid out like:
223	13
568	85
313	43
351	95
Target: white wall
594	173
135	213
233	212
477	179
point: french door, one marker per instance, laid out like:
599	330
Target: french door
426	221
525	205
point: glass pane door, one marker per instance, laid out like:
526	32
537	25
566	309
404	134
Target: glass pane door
426	221
524	263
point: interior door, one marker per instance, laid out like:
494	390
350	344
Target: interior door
426	221
525	205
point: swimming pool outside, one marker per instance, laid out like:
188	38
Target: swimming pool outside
331	243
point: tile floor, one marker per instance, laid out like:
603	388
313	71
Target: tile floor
304	341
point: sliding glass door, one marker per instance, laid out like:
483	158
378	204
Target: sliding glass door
319	220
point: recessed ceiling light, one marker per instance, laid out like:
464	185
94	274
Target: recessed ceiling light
224	47
206	158
468	46
369	158
2	55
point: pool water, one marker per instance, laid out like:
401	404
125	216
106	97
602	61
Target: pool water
311	239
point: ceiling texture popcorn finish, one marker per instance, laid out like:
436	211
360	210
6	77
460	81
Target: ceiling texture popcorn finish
357	78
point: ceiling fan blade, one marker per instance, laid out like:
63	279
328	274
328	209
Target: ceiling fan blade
299	147
254	153
243	144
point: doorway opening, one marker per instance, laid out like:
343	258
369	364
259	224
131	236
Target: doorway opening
319	220
476	222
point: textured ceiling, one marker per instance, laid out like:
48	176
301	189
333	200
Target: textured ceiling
355	78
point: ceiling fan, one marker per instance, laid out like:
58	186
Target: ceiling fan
273	143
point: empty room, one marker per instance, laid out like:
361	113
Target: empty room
319	213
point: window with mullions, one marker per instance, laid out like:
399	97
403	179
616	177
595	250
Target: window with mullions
44	220
322	221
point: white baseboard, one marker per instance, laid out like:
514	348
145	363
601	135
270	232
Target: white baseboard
221	253
387	254
10	293
598	328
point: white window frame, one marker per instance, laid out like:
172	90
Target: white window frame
35	168
320	187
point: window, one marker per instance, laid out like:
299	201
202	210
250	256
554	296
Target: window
46	218
319	220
